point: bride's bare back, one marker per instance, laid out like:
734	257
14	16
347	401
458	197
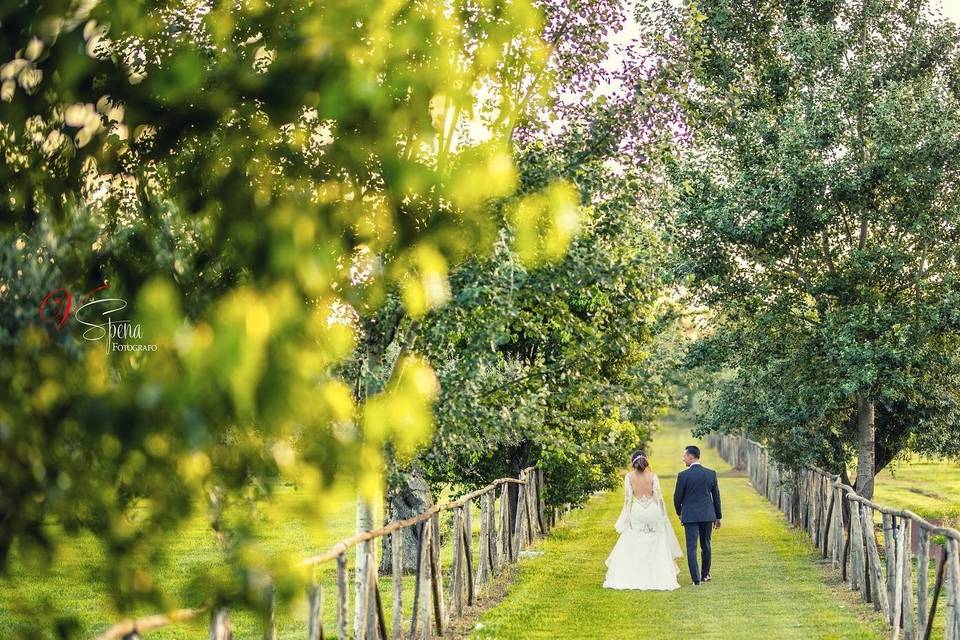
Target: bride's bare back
641	483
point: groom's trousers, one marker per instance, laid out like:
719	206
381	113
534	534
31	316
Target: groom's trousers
695	531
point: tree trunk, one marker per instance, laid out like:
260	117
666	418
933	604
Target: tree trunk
844	478
373	373
406	501
866	446
364	523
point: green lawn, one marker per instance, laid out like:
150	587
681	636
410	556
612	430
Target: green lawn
767	583
928	487
71	587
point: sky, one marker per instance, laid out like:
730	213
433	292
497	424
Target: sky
951	8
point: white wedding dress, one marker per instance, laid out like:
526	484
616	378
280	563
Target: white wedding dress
646	552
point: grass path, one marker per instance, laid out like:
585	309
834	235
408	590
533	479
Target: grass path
766	581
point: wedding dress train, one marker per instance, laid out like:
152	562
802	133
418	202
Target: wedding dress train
646	552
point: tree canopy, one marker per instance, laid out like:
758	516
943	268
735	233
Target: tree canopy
815	211
567	363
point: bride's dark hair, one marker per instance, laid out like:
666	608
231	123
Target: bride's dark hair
638	460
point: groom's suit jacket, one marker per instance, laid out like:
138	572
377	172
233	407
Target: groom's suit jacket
697	495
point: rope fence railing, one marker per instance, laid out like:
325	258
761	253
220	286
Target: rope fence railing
893	573
505	531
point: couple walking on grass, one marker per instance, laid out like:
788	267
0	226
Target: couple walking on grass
644	556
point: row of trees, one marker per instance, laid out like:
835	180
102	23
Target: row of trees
815	214
362	236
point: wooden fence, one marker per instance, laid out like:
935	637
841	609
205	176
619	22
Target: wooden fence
504	532
882	571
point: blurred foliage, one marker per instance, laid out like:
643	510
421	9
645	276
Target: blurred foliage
256	181
815	213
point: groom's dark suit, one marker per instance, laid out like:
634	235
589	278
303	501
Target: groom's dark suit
697	501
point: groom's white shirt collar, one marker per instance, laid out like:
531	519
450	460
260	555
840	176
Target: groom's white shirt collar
693	463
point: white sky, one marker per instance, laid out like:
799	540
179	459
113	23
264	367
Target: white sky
951	8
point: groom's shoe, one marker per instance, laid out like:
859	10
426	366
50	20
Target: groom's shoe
707	578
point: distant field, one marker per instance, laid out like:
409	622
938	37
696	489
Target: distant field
74	588
928	487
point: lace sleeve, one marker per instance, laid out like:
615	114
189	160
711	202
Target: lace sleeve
659	495
671	535
624	518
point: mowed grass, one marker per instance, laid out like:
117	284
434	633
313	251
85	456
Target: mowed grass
928	487
73	587
767	583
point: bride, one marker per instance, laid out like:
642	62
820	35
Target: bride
645	554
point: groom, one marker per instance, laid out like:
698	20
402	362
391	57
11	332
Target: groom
697	501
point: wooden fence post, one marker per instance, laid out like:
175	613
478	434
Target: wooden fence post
435	542
923	576
468	549
838	539
847	565
376	620
895	581
362	605
422	583
531	497
483	575
396	571
270	615
342	604
953	621
826	515
440	612
542	502
877	584
518	532
425	581
368	613
220	625
531	489
315	612
937	587
906	584
506	525
890	534
492	528
856	543
456	572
